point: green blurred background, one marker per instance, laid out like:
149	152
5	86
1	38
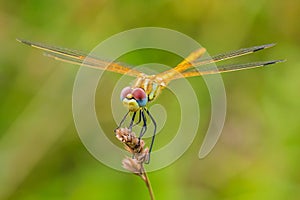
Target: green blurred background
258	154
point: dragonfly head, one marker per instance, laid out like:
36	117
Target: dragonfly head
133	99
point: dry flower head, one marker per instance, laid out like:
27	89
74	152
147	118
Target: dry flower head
140	155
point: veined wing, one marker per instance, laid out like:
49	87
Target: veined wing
231	54
81	58
195	61
198	63
226	68
183	65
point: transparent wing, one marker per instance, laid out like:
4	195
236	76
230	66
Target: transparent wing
231	54
199	63
226	68
183	65
81	58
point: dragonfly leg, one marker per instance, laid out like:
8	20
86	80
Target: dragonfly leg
140	118
132	120
144	128
122	121
153	137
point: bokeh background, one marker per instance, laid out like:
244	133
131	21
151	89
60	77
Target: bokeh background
258	154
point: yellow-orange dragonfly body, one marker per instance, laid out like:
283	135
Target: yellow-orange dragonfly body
146	88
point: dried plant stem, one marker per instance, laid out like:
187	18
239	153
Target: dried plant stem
140	155
148	183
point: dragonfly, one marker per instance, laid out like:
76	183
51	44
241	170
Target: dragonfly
146	88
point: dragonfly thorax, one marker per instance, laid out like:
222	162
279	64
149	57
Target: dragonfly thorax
144	90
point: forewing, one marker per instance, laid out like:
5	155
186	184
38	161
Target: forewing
226	68
81	58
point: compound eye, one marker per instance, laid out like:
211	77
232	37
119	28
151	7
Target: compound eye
125	92
139	94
